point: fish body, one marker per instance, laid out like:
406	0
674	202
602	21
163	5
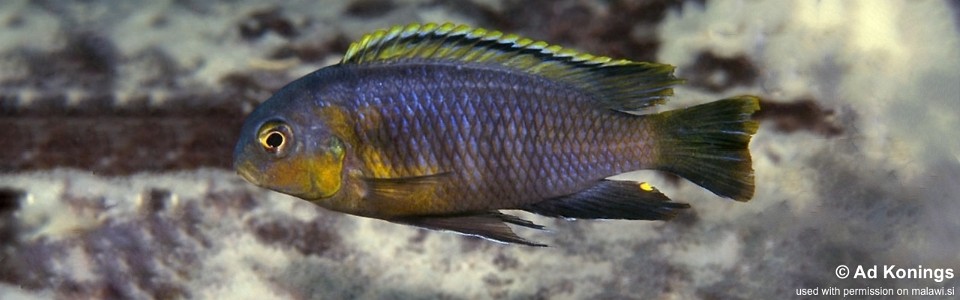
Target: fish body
442	126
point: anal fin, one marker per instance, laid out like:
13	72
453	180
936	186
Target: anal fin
610	199
489	225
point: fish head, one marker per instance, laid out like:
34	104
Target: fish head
283	148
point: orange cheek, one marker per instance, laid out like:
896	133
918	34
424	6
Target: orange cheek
287	176
328	174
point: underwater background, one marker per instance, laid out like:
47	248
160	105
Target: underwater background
118	120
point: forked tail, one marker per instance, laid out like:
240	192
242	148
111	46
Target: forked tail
708	145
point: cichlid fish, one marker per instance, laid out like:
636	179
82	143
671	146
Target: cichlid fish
442	126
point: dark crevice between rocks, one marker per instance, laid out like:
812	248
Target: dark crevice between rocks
312	50
505	262
270	20
9	204
10	199
87	60
799	115
116	145
717	74
370	8
249	88
315	237
156	200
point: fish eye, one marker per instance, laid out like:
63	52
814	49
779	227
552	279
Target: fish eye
274	138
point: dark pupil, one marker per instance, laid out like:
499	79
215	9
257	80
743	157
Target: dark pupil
274	140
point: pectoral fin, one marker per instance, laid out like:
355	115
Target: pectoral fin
610	199
404	187
490	225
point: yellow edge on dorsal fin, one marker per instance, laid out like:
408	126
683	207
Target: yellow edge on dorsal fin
616	83
398	41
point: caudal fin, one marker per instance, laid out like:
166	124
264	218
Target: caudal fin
708	145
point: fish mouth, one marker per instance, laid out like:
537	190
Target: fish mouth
248	173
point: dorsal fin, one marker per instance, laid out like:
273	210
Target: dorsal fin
617	84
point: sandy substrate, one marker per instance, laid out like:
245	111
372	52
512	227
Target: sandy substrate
856	160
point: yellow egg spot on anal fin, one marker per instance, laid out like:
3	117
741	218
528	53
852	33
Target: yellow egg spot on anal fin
646	187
